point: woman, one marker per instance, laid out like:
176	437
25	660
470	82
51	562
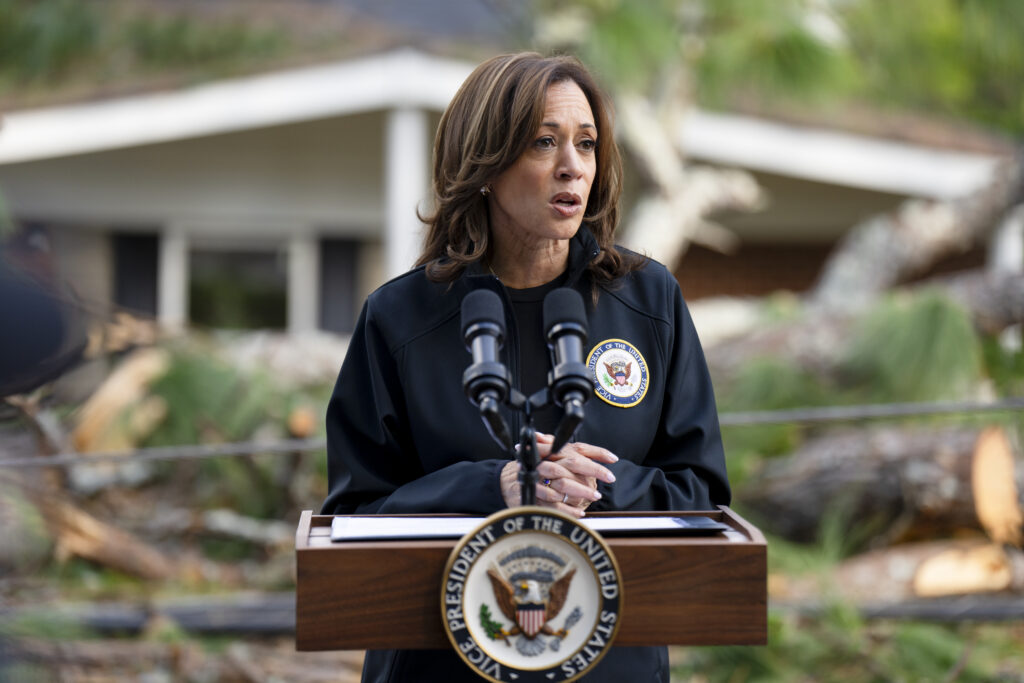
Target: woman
527	179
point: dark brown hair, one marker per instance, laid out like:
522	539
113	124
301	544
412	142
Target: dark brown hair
487	126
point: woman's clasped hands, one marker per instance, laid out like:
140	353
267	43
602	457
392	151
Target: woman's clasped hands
567	479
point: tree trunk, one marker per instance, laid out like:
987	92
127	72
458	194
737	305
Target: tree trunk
887	249
80	534
901	484
994	301
903	574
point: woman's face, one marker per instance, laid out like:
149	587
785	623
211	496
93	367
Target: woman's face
543	195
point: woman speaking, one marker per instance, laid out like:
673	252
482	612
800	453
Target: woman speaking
526	185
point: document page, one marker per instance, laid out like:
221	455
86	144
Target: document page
384	528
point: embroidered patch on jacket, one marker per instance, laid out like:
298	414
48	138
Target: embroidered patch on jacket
619	372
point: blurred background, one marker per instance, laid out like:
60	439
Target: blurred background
196	197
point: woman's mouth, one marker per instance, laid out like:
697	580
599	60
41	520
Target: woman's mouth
567	204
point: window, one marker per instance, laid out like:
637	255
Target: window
238	289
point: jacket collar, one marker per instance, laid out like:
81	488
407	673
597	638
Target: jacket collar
583	249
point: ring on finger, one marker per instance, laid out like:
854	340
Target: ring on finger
565	497
547	482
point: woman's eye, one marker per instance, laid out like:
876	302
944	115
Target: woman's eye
588	144
545	142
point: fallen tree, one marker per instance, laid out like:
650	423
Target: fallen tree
901	483
817	338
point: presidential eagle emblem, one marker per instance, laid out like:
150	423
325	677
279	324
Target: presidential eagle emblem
530	586
619	371
531	596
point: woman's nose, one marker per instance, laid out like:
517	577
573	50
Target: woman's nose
569	163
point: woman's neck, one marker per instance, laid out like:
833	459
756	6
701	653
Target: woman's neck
520	265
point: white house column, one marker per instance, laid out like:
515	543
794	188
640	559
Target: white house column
303	283
172	278
406	147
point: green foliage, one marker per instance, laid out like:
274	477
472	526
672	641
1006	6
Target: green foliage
962	58
52	625
47	42
40	40
491	627
915	348
839	536
211	401
226	549
838	645
765	45
764	384
181	40
629	41
1004	367
78	578
958	58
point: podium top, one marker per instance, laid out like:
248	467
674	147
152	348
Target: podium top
314	531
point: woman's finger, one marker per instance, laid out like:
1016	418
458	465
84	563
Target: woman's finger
566	488
595	452
580	467
586	450
563	503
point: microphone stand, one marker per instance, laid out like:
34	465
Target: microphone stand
526	450
488	384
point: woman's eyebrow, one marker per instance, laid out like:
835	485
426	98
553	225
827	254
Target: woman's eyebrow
555	124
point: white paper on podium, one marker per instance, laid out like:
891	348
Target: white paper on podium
384	528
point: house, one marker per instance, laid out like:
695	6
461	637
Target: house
821	182
277	200
280	200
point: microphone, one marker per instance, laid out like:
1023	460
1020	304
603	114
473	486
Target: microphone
565	324
486	382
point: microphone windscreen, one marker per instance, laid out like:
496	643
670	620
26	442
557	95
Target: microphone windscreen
482	306
564	305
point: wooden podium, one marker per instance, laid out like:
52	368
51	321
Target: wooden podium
703	590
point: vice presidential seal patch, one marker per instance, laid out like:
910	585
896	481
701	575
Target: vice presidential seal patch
619	373
531	595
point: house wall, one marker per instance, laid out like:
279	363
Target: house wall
785	246
806	212
325	174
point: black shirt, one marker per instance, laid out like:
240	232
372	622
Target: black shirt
534	356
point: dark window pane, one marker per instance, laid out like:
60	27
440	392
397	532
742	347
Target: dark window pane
135	271
238	289
338	285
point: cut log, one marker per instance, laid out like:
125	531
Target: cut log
902	574
125	388
996	496
262	531
77	533
901	483
987	568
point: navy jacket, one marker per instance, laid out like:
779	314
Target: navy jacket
403	438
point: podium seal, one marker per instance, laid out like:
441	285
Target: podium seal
531	596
